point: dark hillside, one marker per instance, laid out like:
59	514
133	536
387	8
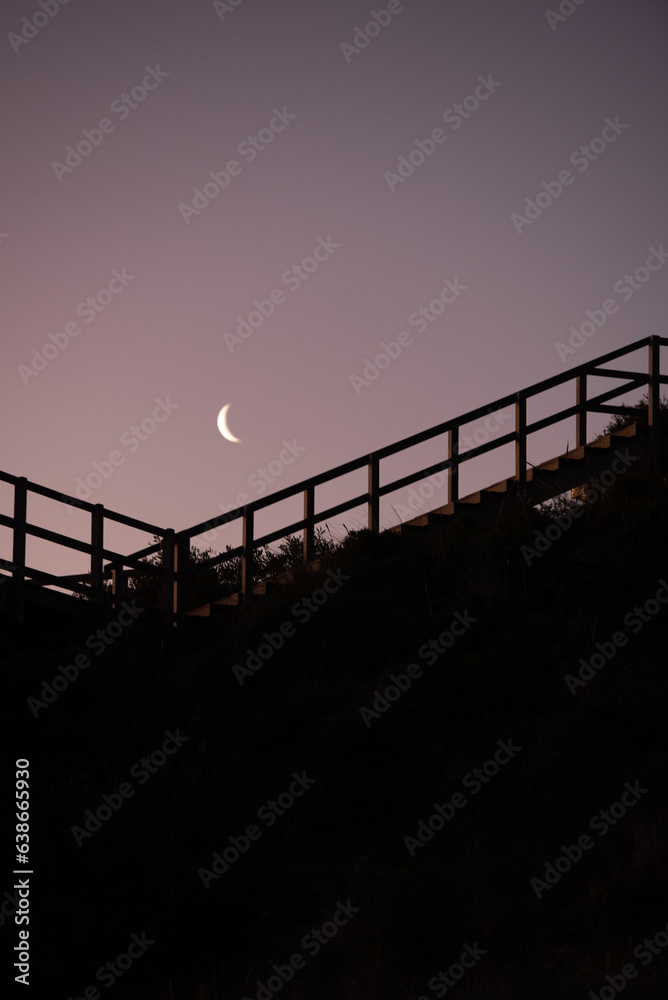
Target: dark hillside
326	706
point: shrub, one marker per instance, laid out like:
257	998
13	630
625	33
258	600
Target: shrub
640	416
209	583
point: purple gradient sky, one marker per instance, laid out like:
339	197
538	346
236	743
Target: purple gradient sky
323	176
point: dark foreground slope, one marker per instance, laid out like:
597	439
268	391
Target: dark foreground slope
340	856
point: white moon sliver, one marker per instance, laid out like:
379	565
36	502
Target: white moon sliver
222	425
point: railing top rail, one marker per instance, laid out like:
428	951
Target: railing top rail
588	367
532	390
133	522
113	515
288	491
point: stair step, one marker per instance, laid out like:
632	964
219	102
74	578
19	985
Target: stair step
550	466
633	430
573	454
500	487
603	442
408	527
470	498
231	601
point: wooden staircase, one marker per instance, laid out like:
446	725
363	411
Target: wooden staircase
569	471
24	587
550	479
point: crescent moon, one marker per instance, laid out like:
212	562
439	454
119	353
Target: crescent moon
222	425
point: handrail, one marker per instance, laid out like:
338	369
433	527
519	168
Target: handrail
175	547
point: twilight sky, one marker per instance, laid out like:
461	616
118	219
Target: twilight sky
309	125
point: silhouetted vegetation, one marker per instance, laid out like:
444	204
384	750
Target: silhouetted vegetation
640	415
209	583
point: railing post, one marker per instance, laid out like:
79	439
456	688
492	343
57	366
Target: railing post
19	545
119	580
453	470
96	541
654	396
169	596
521	441
309	530
247	555
182	575
581	415
373	503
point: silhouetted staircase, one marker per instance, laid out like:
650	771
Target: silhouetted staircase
573	469
27	597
